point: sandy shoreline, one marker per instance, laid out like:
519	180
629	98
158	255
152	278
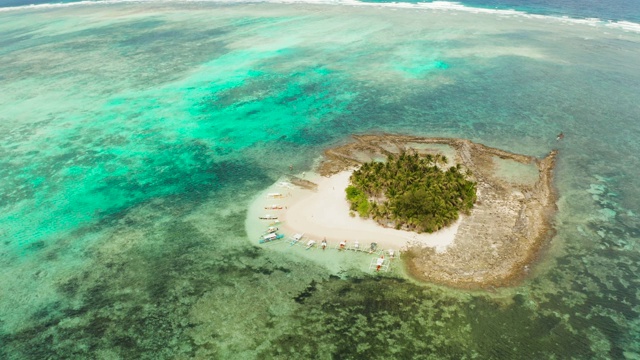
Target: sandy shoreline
324	213
492	246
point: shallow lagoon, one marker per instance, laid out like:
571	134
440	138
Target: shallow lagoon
133	137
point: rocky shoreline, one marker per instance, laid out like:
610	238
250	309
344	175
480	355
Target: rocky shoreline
509	224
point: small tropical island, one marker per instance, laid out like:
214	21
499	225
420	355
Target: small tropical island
411	192
462	214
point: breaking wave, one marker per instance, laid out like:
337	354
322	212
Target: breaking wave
435	6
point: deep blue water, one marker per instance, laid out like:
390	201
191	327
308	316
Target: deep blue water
616	10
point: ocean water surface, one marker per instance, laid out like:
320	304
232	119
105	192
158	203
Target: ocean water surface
610	10
133	137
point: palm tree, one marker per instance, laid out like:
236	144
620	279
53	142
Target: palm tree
412	191
429	158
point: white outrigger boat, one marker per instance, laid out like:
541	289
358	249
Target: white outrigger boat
310	244
285	184
268	217
380	264
270	237
275	195
274	207
296	238
271	229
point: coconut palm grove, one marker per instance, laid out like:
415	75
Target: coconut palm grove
411	192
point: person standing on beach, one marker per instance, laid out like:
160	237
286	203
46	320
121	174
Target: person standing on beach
324	243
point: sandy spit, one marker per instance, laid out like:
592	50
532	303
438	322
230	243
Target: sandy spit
323	213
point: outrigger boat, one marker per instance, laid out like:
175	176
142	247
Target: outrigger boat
310	244
270	237
275	195
380	264
274	207
268	217
295	238
272	229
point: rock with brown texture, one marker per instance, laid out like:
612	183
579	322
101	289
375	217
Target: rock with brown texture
507	227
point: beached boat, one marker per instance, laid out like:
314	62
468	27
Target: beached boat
274	207
380	264
268	217
271	229
275	195
356	246
295	238
270	237
311	244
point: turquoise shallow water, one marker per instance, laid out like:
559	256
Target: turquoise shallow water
133	137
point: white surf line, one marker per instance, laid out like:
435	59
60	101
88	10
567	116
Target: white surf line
626	26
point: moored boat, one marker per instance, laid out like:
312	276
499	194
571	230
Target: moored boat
270	237
310	244
274	207
272	229
295	238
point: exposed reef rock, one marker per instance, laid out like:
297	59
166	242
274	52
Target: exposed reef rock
508	225
305	184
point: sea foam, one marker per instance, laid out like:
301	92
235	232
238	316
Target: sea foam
435	5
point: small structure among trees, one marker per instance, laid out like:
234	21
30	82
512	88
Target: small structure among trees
411	192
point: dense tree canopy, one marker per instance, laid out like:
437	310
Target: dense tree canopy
411	192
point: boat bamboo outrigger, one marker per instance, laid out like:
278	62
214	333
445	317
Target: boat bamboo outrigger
274	207
379	264
270	237
271	229
275	195
310	244
268	217
295	238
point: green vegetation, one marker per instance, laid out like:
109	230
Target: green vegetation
411	191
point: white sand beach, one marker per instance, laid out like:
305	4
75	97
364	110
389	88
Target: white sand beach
324	213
